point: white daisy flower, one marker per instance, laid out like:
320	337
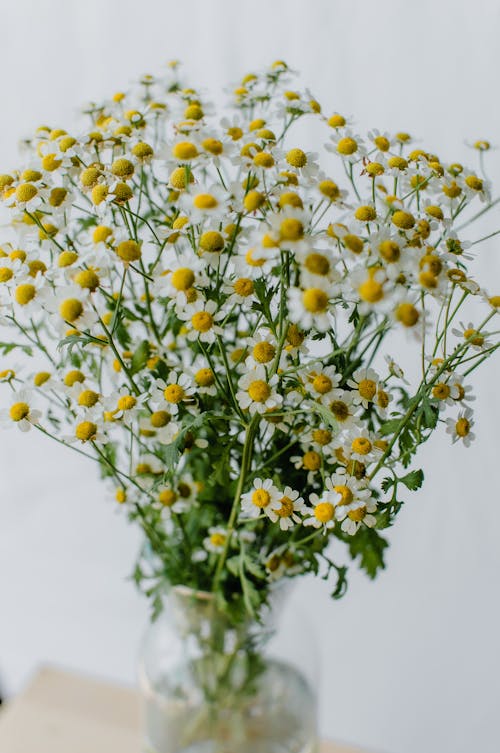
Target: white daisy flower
364	383
256	391
173	391
263	498
216	539
201	318
460	427
21	413
310	308
474	339
323	512
291	504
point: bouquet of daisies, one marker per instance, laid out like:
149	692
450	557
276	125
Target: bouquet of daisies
202	306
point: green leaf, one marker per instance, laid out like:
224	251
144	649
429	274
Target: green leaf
369	546
413	480
390	427
6	348
140	357
326	414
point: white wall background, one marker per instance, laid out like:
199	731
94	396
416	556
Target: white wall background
411	662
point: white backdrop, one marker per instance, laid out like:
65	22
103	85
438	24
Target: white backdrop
411	662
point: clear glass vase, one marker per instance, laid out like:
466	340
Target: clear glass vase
210	686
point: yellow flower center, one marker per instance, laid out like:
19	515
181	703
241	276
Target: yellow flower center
252	261
286	508
291	229
121	496
296	158
88	398
202	321
403	220
397	163
180	177
317	264
345	493
390	251
462	427
85	431
494	301
315	300
182	278
25	293
322	384
6	274
291	199
87	279
51	163
18	254
311	460
205	201
184	150
382	399
217	539
329	189
72	377
160	418
40	378
243	286
382	143
475	183
18	411
336	121
71	309
36	266
261	498
324	512
173	393
89	177
407	314
452	190
26	192
371	291
347	146
340	410
234	133
142	151
473	336
321	436
373	169
126	402
353	242
253	200
193	112
294	336
100	234
428	280
358	514
367	388
441	391
212	241
365	213
167	497
361	445
204	377
66	258
128	251
214	146
264	352
263	159
259	391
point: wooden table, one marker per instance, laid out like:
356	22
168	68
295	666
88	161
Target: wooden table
61	712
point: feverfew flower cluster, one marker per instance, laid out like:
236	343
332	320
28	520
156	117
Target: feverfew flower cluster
202	305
